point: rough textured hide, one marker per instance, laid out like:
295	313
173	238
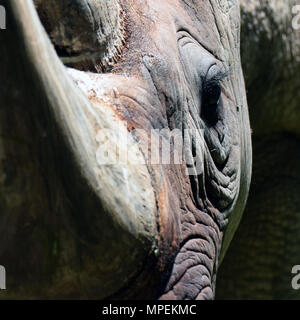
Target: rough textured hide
88	35
113	231
266	246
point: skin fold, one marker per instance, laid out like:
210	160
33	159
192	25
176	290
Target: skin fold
155	231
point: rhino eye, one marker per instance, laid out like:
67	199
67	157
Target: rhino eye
211	94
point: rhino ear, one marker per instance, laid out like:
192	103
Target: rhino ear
106	224
87	34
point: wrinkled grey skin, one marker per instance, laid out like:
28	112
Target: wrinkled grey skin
72	227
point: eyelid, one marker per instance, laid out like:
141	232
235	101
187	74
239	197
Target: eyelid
218	76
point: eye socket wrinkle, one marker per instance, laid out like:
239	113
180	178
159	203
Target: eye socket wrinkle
219	76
